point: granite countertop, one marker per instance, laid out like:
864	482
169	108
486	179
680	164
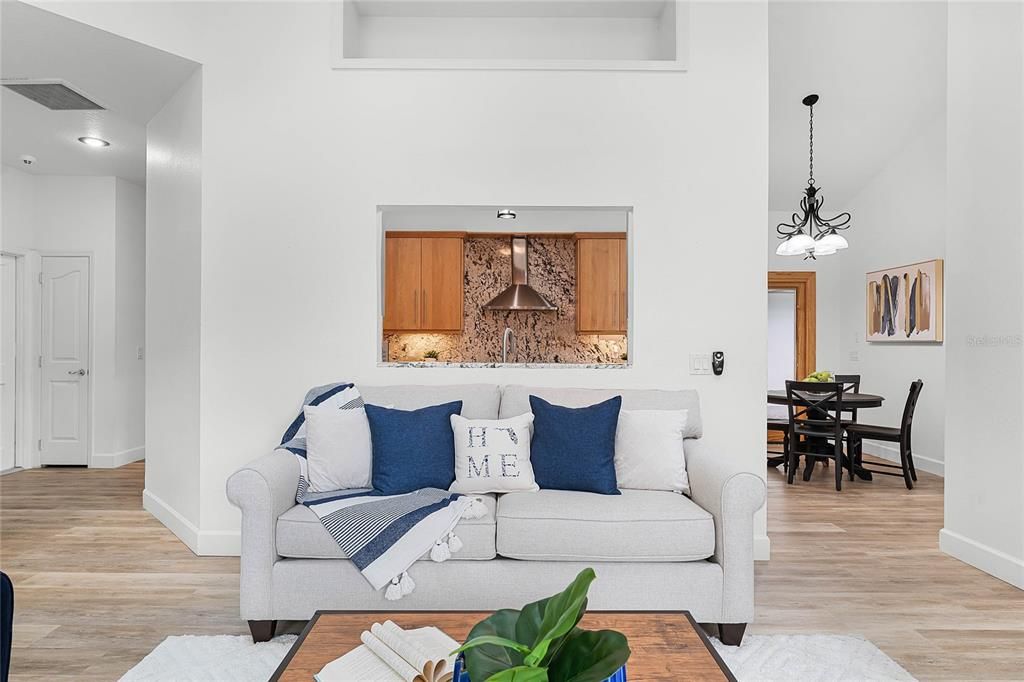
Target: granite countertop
505	365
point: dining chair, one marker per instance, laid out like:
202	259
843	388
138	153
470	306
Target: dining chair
815	416
779	426
858	432
851	384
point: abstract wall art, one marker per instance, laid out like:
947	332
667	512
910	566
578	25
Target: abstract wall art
905	303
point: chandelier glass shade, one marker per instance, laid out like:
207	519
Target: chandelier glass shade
809	234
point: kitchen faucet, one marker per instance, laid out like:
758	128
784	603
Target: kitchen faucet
507	339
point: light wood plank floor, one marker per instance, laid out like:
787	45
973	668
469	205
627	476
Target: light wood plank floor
99	582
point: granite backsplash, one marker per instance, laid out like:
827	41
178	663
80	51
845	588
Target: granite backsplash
541	337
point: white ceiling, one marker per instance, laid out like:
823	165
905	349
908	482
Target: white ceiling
130	79
880	69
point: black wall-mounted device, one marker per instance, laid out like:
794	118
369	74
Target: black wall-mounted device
718	362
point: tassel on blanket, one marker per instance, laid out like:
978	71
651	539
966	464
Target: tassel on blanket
394	591
454	543
475	510
440	552
406	584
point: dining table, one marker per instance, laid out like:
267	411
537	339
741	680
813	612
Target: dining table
851	401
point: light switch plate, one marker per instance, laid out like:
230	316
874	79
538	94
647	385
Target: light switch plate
700	363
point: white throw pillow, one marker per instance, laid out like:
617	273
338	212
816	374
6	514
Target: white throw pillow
493	455
649	450
339	454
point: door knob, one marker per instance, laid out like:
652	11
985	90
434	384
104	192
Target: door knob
80	372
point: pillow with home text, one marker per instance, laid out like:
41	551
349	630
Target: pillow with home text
492	455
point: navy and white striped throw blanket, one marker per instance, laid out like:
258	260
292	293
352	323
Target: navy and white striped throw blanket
383	535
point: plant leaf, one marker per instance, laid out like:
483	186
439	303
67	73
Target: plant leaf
590	656
522	673
481	640
561	613
489	659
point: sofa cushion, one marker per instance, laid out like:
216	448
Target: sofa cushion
479	401
638	525
516	400
301	535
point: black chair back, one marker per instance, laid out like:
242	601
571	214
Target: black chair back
908	410
851	383
815	408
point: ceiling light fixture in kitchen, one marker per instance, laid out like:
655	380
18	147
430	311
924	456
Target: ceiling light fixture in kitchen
810	235
507	214
93	142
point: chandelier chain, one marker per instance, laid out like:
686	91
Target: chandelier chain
810	179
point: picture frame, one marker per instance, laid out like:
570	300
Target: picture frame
904	304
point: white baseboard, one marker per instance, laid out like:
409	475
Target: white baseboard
112	460
993	561
175	522
201	542
892	454
220	543
762	548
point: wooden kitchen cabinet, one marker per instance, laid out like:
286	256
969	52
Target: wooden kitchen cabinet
601	284
423	282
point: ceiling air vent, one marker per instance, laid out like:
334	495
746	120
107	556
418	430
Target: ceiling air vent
52	94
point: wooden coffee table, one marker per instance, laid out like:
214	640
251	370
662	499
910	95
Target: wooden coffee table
666	645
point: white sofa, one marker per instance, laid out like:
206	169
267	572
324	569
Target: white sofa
651	550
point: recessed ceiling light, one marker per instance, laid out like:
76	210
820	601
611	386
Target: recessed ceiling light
507	214
93	142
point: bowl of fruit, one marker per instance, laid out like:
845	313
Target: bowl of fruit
822	377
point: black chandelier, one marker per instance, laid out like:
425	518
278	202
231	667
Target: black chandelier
810	235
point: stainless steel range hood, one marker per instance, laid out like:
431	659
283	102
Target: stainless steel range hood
520	296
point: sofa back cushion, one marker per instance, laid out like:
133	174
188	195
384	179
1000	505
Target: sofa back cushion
479	401
516	400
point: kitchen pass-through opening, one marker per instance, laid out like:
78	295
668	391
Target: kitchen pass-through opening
536	286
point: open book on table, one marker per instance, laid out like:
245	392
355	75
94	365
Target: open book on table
390	654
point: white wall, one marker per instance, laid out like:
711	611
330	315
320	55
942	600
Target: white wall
130	318
18	208
56	213
899	218
826	285
173	221
296	158
984	493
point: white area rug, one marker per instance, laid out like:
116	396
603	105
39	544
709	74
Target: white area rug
762	658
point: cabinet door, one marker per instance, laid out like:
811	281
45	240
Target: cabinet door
598	288
402	283
441	284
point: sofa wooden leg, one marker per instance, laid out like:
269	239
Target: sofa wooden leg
262	630
731	633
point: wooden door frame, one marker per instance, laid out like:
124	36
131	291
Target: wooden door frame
804	283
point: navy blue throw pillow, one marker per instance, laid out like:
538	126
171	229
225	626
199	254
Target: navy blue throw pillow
574	448
412	449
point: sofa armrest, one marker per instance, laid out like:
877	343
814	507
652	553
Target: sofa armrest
263	489
731	496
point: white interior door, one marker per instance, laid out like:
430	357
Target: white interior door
8	360
64	365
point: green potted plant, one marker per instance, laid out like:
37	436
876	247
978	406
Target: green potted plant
431	355
543	643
